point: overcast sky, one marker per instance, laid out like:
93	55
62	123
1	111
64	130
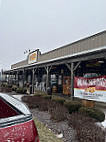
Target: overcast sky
46	25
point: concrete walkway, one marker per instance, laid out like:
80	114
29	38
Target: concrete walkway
19	96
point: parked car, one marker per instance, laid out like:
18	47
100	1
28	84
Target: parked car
16	122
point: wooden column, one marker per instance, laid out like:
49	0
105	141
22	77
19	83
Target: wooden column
72	70
23	78
72	81
15	77
33	77
11	78
5	77
47	79
18	77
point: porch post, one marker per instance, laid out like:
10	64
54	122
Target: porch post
47	79
11	78
72	81
23	78
18	77
33	77
15	77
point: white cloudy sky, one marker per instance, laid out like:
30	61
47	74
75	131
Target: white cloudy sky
46	25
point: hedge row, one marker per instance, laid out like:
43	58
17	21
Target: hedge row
59	100
72	106
58	112
93	113
85	126
47	102
21	90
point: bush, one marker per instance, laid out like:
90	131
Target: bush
72	106
47	97
21	90
39	95
58	99
31	101
36	102
87	131
8	89
8	85
59	113
93	113
3	84
14	88
43	104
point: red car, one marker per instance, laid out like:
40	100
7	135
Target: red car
16	122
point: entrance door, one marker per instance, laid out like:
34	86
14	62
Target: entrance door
67	85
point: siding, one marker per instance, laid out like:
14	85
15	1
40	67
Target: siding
98	40
22	63
95	41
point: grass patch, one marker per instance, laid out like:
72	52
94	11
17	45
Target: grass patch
45	135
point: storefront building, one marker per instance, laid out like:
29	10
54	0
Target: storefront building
60	70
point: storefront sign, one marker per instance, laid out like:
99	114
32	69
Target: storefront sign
32	57
90	88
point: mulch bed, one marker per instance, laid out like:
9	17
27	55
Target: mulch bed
74	127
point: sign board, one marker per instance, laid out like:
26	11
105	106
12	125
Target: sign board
90	88
32	57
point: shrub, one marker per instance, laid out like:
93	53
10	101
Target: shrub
14	88
43	104
46	97
8	85
59	113
31	101
25	98
87	131
21	90
72	106
8	89
92	112
77	119
3	84
39	95
36	102
58	99
43	95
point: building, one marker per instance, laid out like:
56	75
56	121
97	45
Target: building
58	68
